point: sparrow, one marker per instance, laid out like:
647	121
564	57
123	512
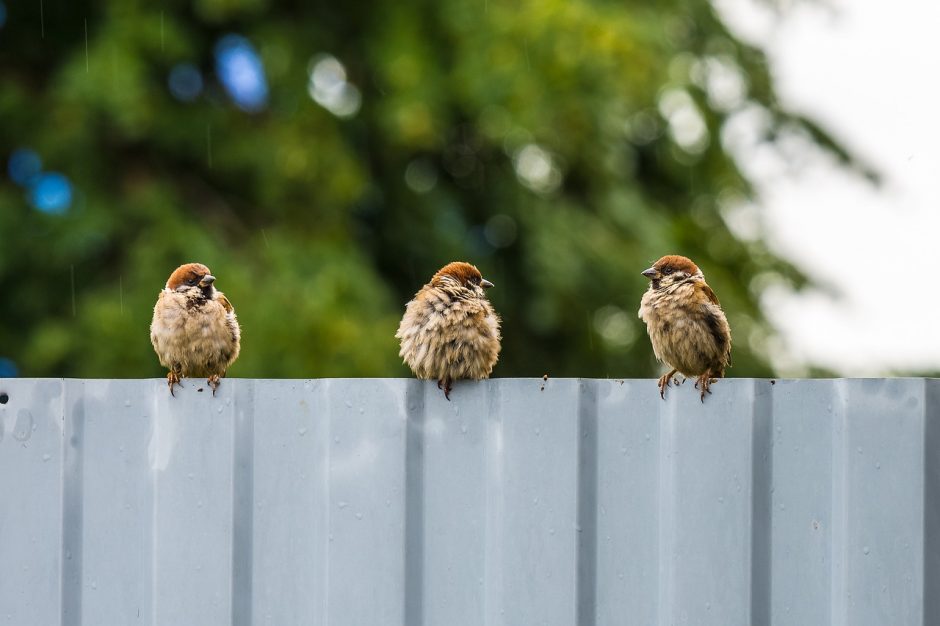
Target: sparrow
194	330
686	325
450	330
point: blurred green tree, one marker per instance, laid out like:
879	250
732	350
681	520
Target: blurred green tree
559	145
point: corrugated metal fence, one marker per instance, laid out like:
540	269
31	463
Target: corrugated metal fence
521	502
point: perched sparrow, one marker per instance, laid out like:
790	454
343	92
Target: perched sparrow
450	330
194	330
685	323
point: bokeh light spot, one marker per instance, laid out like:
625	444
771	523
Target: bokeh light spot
51	193
536	169
185	82
686	125
329	88
8	368
615	326
23	167
421	175
240	70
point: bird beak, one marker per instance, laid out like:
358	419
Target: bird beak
485	283
207	280
650	273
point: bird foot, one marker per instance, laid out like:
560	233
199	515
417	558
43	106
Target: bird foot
447	387
664	381
172	378
213	381
706	381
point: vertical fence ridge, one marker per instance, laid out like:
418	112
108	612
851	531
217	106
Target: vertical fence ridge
931	589
838	528
587	504
667	512
243	503
154	501
492	534
762	462
73	451
415	416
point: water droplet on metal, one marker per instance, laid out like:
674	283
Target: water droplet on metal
301	431
127	403
348	404
358	515
866	550
46	457
343	505
23	428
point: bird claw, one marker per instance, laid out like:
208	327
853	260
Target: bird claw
447	387
172	378
706	381
213	381
664	381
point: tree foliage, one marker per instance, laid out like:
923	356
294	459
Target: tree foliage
560	145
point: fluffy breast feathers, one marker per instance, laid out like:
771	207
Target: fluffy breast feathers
687	328
449	332
193	335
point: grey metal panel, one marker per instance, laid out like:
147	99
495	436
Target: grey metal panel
31	502
519	502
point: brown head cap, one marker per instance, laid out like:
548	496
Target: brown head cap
188	274
675	263
463	272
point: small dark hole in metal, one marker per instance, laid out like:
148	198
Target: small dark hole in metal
4	398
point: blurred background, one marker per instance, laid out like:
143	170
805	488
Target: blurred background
324	159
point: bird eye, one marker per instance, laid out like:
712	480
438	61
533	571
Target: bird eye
667	271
